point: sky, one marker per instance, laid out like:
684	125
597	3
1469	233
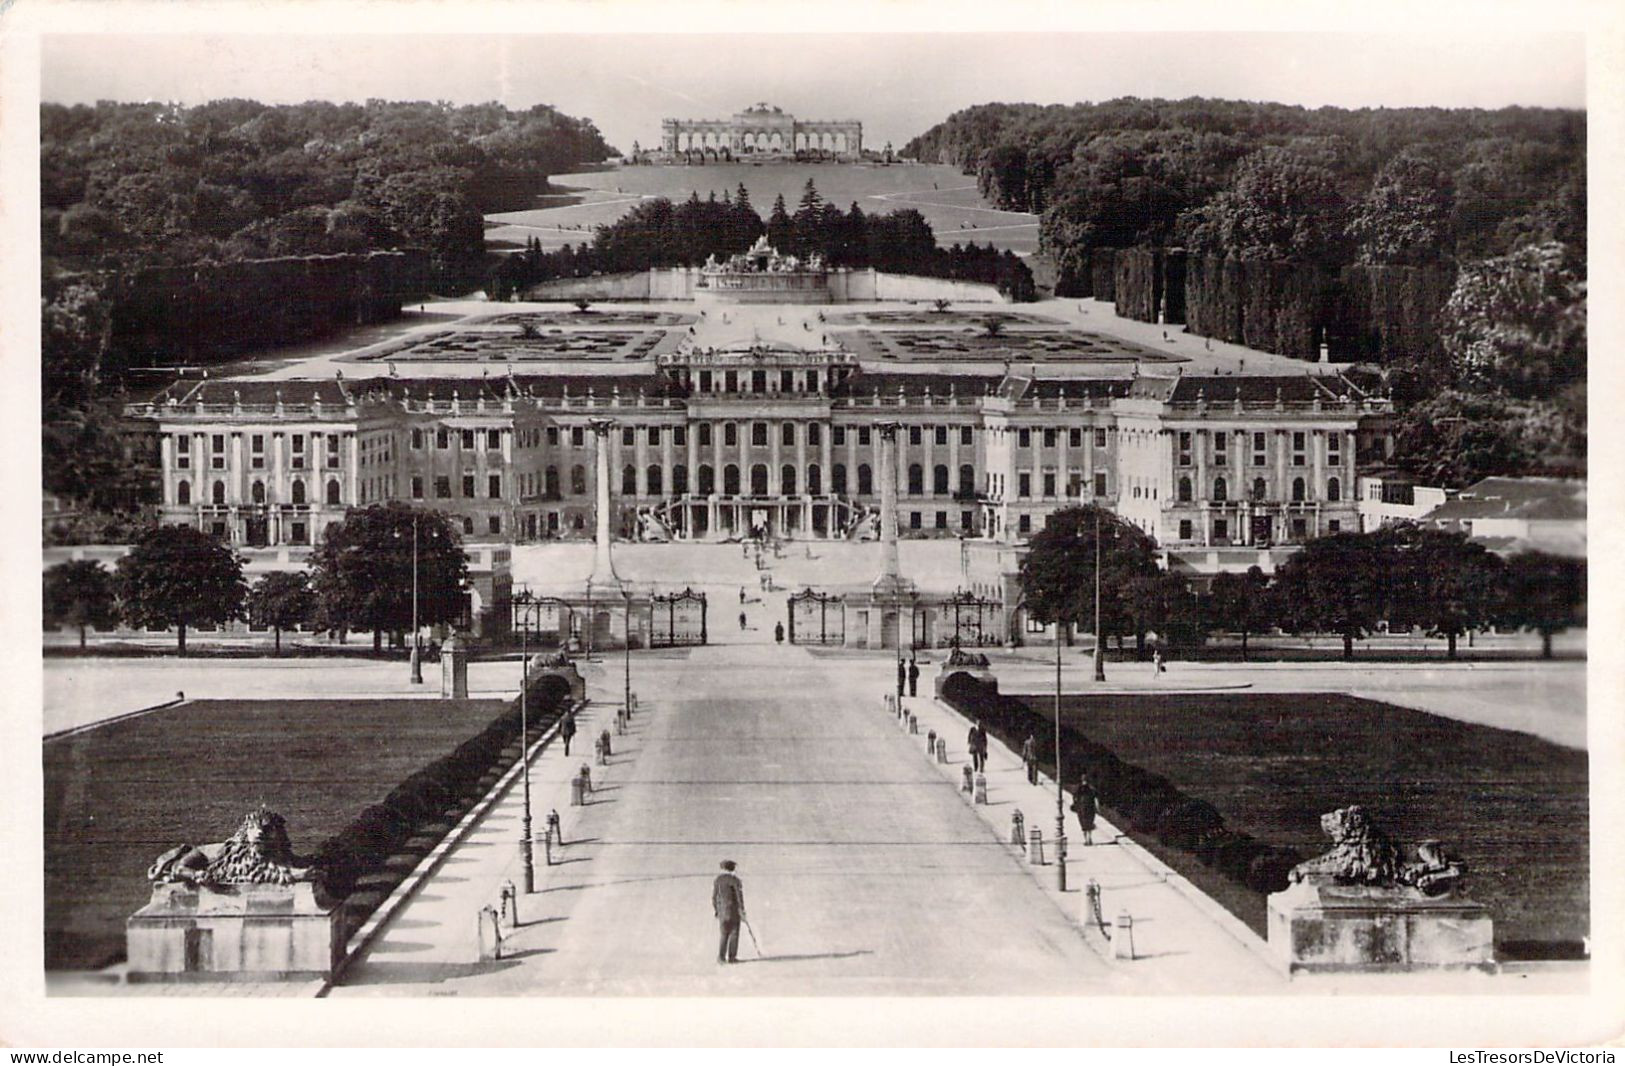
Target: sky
898	85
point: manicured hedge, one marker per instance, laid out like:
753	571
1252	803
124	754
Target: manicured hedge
1149	804
433	792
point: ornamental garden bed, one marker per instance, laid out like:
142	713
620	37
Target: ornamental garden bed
1228	789
118	795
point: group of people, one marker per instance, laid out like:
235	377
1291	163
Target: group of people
908	677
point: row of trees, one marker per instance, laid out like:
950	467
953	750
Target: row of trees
361	577
1344	583
659	233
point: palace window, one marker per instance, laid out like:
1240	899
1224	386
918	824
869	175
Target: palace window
1297	490
257	493
297	490
468	440
1300	528
468	485
914	520
493	486
758	381
183	492
1259	455
787	434
656	480
1049	438
837	479
1184	490
787	480
442	439
965	437
837	436
965	520
967	479
679	436
1221	450
941	435
1334	490
442	487
1100	438
866	481
705	381
1260	490
730	480
815	434
863	436
578	436
1221	492
1025	525
679	479
550	482
708	480
1024	485
333	492
578	480
552	436
730	381
1100	484
1185	531
494	524
1221	529
654	436
1334	526
256	448
1298	458
705	435
1024	438
787	381
332	451
217	446
815	480
758	434
730	434
758	479
417	487
1049	484
914	435
629	481
942	519
628	437
493	439
468	525
939	480
916	480
1074	438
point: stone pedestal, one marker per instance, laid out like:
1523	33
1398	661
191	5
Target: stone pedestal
1317	926
454	668
982	674
233	933
541	666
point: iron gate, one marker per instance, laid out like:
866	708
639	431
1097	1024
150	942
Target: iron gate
817	618
966	620
677	620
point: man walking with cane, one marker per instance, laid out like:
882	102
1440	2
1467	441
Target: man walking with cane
728	902
913	676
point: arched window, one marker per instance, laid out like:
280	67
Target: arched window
1297	490
629	480
1260	490
1184	490
550	482
1334	490
939	480
967	480
708	480
730	480
787	479
837	479
916	479
866	481
815	480
656	480
297	491
1220	491
578	480
257	493
758	479
219	492
183	492
333	492
679	480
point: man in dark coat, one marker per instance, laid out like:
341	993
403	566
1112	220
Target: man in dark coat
902	676
728	902
567	729
913	677
977	743
1084	804
1029	758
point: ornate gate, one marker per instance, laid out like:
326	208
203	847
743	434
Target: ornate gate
547	620
677	620
816	618
966	620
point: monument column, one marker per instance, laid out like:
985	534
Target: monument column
889	569
603	567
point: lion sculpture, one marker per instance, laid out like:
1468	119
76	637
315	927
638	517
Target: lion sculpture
1362	854
258	853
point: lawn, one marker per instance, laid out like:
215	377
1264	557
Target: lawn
1515	807
118	795
948	199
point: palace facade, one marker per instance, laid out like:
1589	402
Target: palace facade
761	130
720	443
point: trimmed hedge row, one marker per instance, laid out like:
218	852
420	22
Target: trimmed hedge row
1149	804
380	830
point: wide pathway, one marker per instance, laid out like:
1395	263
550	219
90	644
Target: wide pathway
864	871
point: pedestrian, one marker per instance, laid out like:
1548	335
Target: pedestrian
728	903
902	676
741	595
778	632
1084	804
913	677
567	729
1156	661
1029	758
977	743
741	621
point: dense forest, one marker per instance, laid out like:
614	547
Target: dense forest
1447	247
173	235
658	233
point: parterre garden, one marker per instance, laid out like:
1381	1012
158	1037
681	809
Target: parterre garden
1073	346
367	787
510	345
1228	789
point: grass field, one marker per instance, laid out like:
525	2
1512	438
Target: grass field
948	199
117	796
1513	806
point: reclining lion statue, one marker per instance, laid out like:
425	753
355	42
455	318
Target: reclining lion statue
1362	854
258	853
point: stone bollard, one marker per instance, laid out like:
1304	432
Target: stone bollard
555	827
1035	847
620	721
585	774
967	781
913	726
508	902
608	745
1018	829
931	743
981	788
488	934
942	750
1123	937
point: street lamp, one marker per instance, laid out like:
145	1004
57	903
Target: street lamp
626	698
1060	801
527	848
415	656
1100	647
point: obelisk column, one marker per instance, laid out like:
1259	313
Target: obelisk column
890	571
603	567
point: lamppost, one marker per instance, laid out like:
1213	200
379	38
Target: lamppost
415	655
527	848
626	698
1100	647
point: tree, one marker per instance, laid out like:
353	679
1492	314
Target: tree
1445	582
1405	217
1162	603
281	600
1546	593
1239	603
780	227
1058	572
179	576
362	570
1517	323
1283	205
1338	584
80	594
